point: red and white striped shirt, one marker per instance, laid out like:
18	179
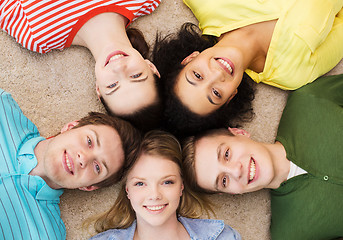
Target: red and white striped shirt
41	26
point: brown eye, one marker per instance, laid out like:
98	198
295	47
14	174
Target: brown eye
227	154
197	75
224	181
216	93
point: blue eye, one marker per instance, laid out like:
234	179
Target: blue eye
136	75
113	85
168	182
139	184
97	168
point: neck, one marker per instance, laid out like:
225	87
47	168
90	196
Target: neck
102	33
253	40
39	169
281	164
170	230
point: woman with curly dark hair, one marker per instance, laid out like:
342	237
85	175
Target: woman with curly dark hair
179	118
283	44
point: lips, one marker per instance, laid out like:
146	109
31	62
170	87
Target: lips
114	56
68	163
226	64
156	208
252	170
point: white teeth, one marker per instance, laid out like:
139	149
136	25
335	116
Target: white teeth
68	163
116	57
155	208
226	64
252	170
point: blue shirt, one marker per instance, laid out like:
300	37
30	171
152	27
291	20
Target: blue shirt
198	229
28	206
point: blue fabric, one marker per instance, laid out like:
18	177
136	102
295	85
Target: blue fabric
28	206
198	229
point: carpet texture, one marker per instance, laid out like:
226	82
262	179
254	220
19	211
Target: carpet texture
58	87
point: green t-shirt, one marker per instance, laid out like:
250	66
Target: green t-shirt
310	206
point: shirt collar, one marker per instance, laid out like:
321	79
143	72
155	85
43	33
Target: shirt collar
26	156
196	230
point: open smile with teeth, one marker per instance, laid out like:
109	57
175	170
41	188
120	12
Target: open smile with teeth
252	170
156	208
225	64
69	164
116	55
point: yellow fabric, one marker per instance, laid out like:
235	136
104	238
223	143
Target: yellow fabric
307	41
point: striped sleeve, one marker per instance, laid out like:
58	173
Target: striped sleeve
41	26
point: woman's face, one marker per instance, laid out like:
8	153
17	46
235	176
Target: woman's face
154	187
125	80
209	79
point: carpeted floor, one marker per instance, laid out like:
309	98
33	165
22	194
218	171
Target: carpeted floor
58	87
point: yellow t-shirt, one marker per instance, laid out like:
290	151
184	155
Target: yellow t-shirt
307	40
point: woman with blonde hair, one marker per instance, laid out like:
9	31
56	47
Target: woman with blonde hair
155	203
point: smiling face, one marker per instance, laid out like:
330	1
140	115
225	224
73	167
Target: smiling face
82	157
126	81
209	79
154	195
232	164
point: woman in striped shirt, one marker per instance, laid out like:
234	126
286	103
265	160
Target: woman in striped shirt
125	79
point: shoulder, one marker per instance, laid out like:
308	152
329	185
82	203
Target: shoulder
117	234
209	229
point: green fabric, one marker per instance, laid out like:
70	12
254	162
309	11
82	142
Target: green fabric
310	206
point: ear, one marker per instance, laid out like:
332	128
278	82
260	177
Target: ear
97	91
153	68
232	96
69	126
89	188
190	57
127	192
182	187
238	131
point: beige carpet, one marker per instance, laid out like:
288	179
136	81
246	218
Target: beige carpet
58	87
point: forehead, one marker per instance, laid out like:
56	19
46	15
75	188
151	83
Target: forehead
154	166
132	96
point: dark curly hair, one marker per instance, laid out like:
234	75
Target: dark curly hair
149	117
167	55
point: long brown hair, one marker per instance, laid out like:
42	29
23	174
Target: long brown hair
122	215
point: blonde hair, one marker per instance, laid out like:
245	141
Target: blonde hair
122	215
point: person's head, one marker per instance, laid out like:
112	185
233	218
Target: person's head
153	191
89	153
199	90
127	82
227	160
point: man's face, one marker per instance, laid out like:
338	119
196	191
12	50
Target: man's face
232	164
82	157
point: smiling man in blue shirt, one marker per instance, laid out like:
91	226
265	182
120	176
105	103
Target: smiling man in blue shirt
88	154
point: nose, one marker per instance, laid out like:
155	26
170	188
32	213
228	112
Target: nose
155	193
84	158
235	169
216	73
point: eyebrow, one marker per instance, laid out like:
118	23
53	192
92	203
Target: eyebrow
99	145
135	81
